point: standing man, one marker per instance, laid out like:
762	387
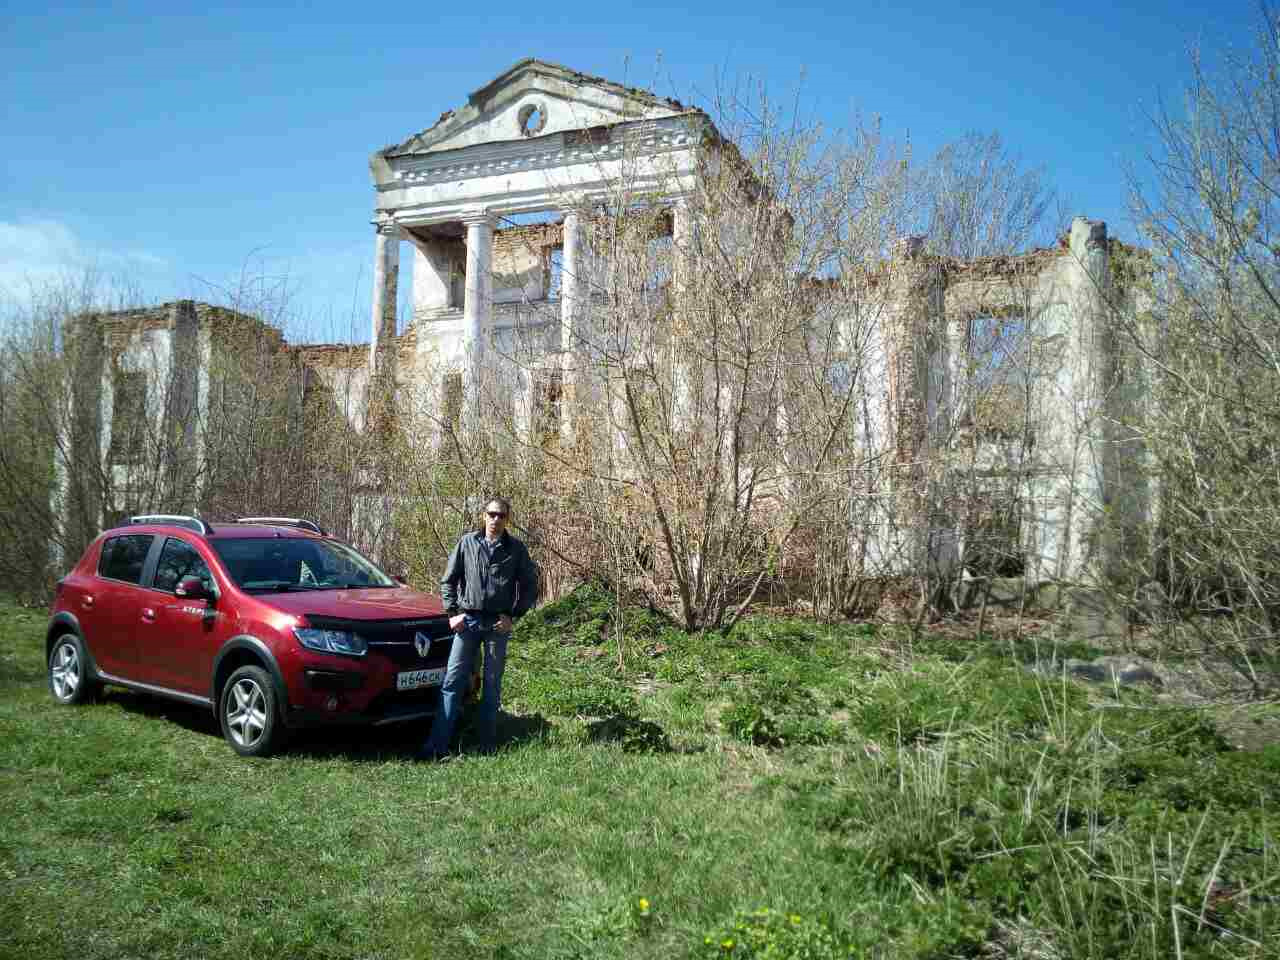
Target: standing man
489	582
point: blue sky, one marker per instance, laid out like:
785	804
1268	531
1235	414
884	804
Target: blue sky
186	150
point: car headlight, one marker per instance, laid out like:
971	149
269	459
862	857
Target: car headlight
332	641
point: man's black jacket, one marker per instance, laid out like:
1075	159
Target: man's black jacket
505	582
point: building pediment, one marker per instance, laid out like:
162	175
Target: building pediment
531	100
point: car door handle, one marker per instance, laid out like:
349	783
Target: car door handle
148	615
86	602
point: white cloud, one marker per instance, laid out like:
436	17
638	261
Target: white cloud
39	252
314	294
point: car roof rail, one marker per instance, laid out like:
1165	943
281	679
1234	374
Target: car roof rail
174	519
286	522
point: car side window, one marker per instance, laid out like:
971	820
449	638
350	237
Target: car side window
122	557
179	559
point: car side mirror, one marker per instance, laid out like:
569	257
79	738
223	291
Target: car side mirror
194	588
402	578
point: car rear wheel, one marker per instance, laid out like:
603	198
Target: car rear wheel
69	679
248	714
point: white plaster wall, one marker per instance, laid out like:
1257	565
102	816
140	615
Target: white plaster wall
519	272
350	389
205	352
440	342
885	551
432	269
106	403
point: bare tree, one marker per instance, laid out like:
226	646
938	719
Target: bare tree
110	408
1208	206
715	324
976	199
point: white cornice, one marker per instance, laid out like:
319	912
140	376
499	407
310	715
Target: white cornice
664	187
646	138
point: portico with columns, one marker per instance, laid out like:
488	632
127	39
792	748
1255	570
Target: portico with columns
494	201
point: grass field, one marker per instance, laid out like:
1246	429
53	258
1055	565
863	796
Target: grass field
804	790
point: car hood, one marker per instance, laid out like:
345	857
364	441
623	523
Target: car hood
386	603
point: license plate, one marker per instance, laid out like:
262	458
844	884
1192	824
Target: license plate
413	679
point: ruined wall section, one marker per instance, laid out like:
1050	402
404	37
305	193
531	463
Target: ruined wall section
1049	398
140	404
993	308
76	498
908	415
522	261
337	375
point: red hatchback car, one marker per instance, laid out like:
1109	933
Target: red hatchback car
267	621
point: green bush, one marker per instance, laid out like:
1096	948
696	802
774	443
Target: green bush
769	934
630	732
772	712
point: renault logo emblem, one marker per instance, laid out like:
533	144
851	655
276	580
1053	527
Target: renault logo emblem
421	643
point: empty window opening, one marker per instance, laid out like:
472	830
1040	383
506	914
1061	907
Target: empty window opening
548	394
555	272
128	418
451	405
532	118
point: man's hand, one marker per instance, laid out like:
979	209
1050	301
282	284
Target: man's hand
504	624
457	622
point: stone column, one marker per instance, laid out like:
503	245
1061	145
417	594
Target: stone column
573	349
181	476
81	453
386	279
478	302
1101	507
386	276
683	236
959	364
919	536
1088	286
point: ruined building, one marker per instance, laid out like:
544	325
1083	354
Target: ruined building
491	204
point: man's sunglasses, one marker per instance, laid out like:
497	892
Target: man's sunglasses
496	515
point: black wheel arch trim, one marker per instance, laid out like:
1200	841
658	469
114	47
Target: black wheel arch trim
262	653
60	623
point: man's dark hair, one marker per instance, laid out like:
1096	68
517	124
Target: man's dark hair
506	504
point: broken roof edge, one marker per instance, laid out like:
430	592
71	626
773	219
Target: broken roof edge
480	97
477	100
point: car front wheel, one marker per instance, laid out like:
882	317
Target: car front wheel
69	679
247	711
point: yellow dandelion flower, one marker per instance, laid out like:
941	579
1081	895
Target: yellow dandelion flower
727	944
644	905
794	918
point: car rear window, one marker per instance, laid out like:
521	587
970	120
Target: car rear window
122	557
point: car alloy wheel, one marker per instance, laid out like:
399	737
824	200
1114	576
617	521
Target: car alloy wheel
248	712
65	671
69	679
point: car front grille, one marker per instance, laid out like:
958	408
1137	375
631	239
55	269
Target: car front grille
395	640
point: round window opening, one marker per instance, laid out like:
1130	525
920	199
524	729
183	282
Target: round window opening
532	118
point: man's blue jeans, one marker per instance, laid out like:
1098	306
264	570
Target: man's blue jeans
457	680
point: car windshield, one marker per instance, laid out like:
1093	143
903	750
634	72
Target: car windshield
296	563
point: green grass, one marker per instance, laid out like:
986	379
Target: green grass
791	790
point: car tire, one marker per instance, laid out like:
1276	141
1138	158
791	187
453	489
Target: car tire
70	680
248	713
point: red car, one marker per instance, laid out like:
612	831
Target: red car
267	621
